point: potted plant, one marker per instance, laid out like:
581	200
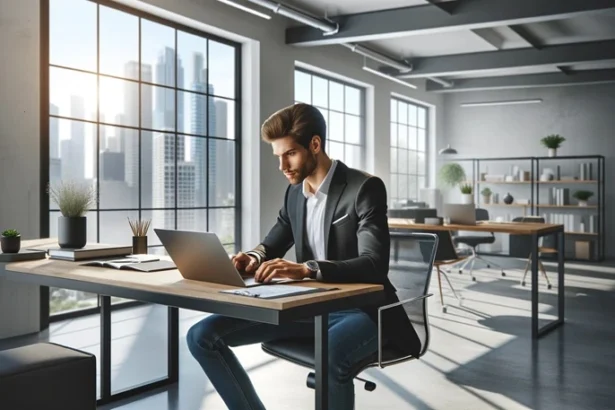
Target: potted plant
552	142
582	197
74	200
486	193
466	193
10	241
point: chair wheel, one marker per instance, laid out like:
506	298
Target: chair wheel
473	279
549	286
503	273
460	271
523	283
443	309
370	386
488	266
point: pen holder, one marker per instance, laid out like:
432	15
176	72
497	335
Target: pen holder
139	244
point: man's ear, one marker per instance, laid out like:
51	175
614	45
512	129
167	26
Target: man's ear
316	144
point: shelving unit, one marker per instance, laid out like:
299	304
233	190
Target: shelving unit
532	168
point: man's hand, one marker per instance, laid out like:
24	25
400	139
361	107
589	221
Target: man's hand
245	263
280	268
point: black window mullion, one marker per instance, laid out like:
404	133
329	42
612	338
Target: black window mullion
140	131
207	140
97	154
175	211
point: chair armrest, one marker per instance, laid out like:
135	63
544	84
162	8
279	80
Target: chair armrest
381	309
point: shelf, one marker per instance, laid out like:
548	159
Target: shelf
566	206
565	181
508	205
581	233
504	182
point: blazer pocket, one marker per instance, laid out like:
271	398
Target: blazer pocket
338	220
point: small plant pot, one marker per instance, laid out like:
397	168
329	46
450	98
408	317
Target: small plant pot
486	199
582	203
467	199
72	232
10	244
552	152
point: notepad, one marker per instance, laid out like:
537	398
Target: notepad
143	263
275	291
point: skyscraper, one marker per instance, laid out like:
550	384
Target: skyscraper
74	148
54	132
111	166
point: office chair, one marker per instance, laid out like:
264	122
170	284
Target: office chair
474	241
541	249
446	255
411	277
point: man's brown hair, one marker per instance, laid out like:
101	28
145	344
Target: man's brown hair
300	121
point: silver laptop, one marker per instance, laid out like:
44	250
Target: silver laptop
201	256
462	214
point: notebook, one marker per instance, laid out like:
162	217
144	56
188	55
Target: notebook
275	291
91	250
143	263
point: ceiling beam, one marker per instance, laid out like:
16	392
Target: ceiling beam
527	36
490	36
427	19
525	81
566	54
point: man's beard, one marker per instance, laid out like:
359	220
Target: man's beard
305	171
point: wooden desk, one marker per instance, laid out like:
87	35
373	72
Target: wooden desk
535	231
171	289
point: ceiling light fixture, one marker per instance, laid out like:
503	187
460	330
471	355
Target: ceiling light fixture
381	58
447	151
246	9
326	26
510	102
388	77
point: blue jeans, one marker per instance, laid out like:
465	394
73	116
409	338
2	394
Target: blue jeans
352	337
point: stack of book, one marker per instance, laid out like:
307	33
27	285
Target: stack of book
559	196
574	223
90	251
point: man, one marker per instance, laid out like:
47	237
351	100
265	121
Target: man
337	219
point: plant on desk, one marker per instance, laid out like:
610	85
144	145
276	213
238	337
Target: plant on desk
139	235
466	193
552	142
582	197
10	241
74	200
453	174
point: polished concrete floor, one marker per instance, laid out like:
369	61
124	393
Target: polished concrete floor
480	356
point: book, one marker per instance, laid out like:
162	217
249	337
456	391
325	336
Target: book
90	251
275	291
143	263
22	255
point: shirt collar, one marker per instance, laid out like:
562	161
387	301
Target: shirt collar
324	185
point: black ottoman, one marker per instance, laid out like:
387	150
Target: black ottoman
47	376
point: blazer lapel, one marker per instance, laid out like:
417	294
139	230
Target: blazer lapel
301	203
338	183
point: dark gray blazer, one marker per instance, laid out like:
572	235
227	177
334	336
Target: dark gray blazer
357	247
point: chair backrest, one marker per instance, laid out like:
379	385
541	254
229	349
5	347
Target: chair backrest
547	241
410	273
482	214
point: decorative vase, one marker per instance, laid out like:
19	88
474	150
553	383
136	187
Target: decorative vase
582	203
72	232
467	199
10	244
552	152
139	245
508	199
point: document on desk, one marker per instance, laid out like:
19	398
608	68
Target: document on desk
275	291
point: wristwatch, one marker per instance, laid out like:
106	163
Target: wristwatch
313	268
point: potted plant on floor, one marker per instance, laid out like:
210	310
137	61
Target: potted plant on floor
582	197
10	241
486	193
74	200
552	142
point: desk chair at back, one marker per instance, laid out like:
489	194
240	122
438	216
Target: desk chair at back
474	241
411	277
546	245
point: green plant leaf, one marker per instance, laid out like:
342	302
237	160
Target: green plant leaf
74	199
452	174
10	233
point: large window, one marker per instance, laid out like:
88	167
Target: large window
147	112
343	106
408	150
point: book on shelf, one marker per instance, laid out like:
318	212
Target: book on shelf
90	251
22	255
574	223
143	263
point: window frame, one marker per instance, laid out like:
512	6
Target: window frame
362	109
425	175
45	115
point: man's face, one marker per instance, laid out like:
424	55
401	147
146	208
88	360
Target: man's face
296	162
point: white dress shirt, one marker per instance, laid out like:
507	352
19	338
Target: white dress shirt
315	214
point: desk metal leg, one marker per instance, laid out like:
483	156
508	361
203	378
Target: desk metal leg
322	361
534	281
105	357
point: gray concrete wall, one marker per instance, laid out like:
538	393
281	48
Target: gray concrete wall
582	114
